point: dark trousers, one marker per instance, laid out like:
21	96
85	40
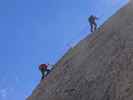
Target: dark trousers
93	26
43	72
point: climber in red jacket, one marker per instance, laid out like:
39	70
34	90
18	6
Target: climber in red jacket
44	70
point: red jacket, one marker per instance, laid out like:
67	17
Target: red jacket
43	66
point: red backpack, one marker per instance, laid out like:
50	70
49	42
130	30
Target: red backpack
43	66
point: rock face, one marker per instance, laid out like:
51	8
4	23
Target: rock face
100	67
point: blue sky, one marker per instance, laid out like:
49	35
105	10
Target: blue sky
41	31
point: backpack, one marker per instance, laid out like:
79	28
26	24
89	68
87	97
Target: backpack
43	66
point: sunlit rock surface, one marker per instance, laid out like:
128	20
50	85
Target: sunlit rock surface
100	67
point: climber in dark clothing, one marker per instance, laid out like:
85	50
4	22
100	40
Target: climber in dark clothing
44	69
92	21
